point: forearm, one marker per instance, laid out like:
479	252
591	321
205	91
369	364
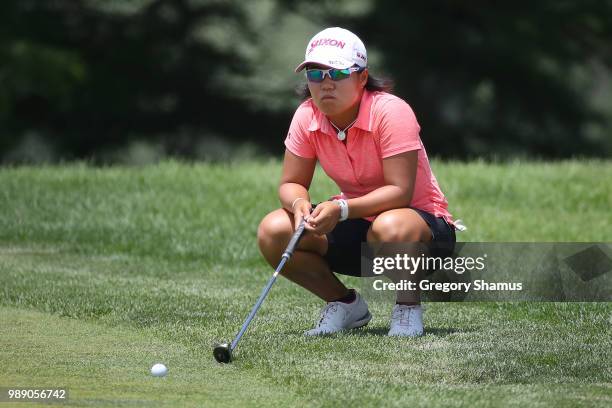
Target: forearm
289	192
382	199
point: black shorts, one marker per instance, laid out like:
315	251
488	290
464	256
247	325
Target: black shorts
344	242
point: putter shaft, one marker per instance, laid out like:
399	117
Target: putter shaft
285	257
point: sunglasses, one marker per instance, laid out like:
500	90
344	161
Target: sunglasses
318	75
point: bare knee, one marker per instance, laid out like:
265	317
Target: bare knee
273	233
393	228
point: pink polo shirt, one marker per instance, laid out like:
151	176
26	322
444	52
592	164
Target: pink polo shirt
385	126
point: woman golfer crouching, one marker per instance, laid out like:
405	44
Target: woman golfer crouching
368	142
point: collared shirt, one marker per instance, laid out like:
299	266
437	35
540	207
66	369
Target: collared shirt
385	126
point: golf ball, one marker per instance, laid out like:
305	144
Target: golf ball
159	370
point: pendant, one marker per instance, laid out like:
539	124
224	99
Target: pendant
341	135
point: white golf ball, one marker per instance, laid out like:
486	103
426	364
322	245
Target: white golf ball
159	370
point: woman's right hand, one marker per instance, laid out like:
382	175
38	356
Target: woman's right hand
301	209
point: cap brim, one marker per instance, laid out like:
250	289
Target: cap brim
337	63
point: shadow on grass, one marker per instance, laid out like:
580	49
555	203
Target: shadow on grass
382	331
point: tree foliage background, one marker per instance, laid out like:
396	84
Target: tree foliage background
94	79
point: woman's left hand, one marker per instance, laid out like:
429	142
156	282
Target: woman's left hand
324	218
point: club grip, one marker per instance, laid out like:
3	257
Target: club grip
294	240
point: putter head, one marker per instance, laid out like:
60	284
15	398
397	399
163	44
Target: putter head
223	353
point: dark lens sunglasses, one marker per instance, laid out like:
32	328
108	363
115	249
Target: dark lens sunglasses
318	75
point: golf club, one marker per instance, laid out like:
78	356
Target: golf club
223	352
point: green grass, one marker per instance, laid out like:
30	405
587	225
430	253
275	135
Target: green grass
105	271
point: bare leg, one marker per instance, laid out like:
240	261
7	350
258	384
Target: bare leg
402	225
307	267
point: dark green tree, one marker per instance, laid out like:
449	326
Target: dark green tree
89	75
498	78
493	79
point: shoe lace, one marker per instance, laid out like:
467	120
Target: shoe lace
402	314
327	312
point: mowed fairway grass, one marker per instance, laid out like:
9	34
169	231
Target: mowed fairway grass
105	271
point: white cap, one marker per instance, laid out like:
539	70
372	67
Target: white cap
335	47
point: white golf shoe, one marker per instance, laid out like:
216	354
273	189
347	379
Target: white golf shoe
406	321
338	316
